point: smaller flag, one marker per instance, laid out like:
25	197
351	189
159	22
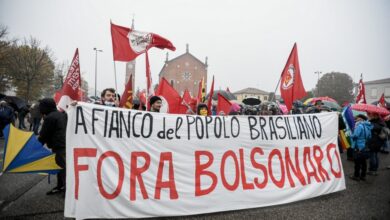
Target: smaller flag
70	90
127	96
171	100
201	91
187	97
223	105
361	97
209	101
382	101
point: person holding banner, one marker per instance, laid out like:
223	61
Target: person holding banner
155	103
108	98
53	133
361	134
202	109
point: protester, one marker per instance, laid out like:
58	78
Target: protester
316	108
375	143
296	108
155	104
361	134
108	98
53	134
21	116
36	117
202	109
6	116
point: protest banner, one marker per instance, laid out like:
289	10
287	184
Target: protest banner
124	163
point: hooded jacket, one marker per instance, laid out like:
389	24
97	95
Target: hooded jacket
53	132
361	134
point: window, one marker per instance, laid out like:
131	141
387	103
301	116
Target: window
374	92
387	91
172	82
265	98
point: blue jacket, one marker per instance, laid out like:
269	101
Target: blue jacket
361	134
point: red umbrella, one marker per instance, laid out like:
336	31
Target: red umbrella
370	109
325	98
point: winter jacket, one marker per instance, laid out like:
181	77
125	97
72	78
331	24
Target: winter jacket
361	133
375	143
53	131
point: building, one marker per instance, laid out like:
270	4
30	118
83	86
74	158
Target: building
375	89
185	72
251	92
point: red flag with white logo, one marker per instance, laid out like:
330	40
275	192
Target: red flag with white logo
127	44
223	105
361	97
70	90
291	87
171	100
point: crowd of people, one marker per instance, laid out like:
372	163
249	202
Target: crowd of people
369	137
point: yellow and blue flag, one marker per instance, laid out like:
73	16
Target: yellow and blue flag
23	153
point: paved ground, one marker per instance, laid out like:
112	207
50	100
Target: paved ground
22	196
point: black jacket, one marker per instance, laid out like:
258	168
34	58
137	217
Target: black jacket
53	131
375	143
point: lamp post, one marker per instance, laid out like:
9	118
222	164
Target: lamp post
318	81
96	51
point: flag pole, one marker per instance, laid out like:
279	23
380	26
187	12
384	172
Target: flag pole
277	85
116	87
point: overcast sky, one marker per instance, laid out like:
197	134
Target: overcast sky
247	41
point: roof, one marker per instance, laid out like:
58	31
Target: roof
251	91
379	81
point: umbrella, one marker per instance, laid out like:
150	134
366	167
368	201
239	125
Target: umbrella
251	101
228	95
370	109
23	153
332	105
16	102
387	104
314	99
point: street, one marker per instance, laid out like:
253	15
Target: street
23	196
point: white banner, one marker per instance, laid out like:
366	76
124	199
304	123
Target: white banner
132	164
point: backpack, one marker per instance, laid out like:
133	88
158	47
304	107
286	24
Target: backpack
384	133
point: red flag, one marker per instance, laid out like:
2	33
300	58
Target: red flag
170	97
211	93
291	87
200	92
72	84
142	98
127	96
187	97
223	105
127	44
382	101
361	97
